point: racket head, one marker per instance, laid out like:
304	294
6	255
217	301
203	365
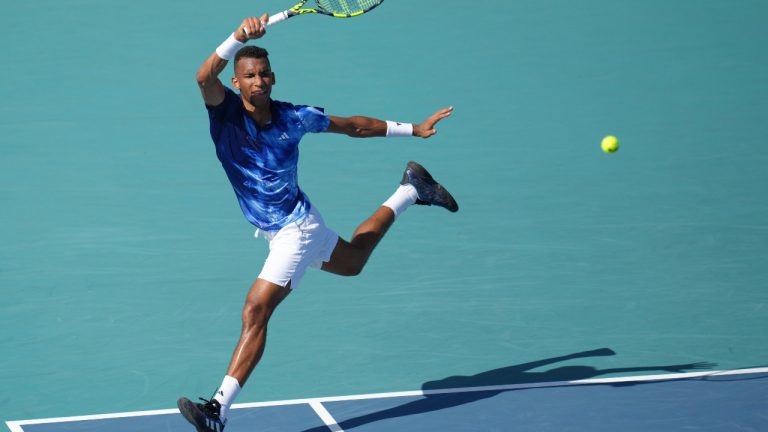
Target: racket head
346	8
299	9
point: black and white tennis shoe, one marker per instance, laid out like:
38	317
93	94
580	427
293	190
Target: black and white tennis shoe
205	417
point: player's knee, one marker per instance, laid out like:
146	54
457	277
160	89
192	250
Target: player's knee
354	271
353	268
357	265
255	314
349	267
352	261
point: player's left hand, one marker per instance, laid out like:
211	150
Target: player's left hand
427	128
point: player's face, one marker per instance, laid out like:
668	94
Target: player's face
254	78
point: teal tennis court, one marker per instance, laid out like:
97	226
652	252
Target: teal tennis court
125	260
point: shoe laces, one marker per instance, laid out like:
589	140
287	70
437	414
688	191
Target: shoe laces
212	410
211	407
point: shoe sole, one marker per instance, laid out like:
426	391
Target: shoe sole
422	172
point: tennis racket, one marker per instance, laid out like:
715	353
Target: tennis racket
334	8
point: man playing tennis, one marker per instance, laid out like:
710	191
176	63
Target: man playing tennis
256	140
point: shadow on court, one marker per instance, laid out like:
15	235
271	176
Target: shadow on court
510	375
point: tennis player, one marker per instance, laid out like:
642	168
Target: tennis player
256	140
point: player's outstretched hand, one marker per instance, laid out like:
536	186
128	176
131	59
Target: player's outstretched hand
251	28
427	128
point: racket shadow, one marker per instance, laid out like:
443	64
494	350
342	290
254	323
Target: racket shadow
510	375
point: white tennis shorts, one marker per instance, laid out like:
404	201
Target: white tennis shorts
305	243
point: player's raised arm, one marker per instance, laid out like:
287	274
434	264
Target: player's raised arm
208	74
367	127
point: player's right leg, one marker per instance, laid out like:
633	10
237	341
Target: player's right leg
263	298
261	302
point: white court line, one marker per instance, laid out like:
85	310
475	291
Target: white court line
316	403
15	426
325	416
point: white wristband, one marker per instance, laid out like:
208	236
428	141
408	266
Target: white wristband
396	129
229	47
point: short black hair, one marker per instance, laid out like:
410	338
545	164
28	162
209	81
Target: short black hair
251	51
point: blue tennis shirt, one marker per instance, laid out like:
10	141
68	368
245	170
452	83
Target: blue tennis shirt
262	163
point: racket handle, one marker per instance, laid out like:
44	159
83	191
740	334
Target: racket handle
274	19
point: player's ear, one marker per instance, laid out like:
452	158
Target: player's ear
274	78
235	83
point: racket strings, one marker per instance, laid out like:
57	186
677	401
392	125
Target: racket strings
347	7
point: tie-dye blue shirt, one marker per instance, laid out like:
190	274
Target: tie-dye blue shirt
262	163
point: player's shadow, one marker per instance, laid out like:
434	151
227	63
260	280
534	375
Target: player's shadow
435	400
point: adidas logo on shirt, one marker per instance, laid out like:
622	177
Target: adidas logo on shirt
284	136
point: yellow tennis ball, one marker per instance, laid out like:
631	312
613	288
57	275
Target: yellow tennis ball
610	144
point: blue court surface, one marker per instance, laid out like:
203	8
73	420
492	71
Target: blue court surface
700	401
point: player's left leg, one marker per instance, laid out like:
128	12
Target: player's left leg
349	258
416	187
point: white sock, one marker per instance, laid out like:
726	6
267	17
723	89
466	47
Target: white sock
404	197
227	393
